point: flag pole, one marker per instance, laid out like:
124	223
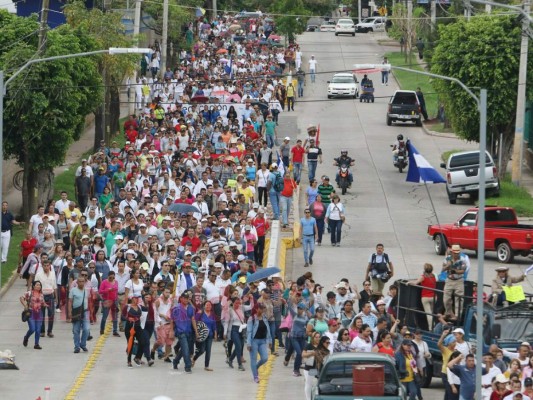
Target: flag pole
432	205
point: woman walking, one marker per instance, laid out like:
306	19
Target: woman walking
133	313
335	215
208	317
33	301
310	363
298	335
234	329
109	293
318	212
406	367
259	339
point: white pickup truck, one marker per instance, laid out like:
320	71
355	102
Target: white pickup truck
371	24
462	175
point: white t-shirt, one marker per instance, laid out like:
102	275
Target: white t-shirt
134	288
312	64
332	339
361	345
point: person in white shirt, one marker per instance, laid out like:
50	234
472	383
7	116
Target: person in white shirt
312	68
47	277
201	206
460	344
332	333
363	342
63	202
88	170
522	355
492	372
128	201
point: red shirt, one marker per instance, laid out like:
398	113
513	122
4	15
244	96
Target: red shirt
288	187
129	124
428	282
261	226
27	247
195	241
298	154
131	135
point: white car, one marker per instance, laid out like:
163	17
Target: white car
328	26
372	24
343	84
346	26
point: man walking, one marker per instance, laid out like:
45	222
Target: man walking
379	269
422	102
456	267
308	232
290	97
314	156
79	300
297	156
300	76
273	193
312	68
8	220
385	73
184	324
83	186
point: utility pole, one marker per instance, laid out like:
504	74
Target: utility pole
43	27
468	9
133	79
164	38
215	11
433	16
359	10
409	29
518	146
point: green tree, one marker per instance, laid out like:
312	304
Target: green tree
482	53
46	105
290	17
106	29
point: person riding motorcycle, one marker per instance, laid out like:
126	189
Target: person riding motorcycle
346	161
400	144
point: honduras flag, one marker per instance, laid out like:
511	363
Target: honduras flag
420	170
228	67
281	167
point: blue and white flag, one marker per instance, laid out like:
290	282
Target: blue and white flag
281	166
420	170
228	67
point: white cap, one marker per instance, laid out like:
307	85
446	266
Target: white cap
241	258
458	330
287	138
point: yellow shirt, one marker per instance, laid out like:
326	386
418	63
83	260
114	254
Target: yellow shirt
410	373
68	213
290	91
446	353
248	194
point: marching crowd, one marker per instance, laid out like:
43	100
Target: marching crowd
163	235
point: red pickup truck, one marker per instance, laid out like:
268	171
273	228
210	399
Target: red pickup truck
503	233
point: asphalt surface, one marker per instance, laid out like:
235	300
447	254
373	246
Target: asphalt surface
381	207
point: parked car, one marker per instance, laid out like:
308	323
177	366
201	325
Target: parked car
328	26
312	28
404	107
462	175
345	26
343	84
372	24
503	233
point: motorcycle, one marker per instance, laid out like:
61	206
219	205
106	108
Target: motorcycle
344	180
401	159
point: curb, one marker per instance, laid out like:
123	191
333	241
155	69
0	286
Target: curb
9	283
438	134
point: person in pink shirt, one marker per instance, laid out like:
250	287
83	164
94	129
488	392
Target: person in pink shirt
251	241
109	293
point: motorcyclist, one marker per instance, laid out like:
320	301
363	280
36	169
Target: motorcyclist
400	144
366	81
346	161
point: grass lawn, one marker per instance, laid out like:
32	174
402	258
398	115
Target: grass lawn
411	80
13	255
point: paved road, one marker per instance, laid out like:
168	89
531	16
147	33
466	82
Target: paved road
381	206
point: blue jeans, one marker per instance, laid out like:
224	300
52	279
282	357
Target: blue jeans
80	331
311	169
297	171
285	203
410	388
105	313
320	228
308	242
298	344
258	346
270	141
51	310
238	344
335	227
204	347
273	326
186	343
274	200
34	326
313	75
384	76
300	89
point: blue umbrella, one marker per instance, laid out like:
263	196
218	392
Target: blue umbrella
262	274
182	208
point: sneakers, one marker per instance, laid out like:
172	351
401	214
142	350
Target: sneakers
230	364
58	310
25	341
333	244
152	355
76	351
188	371
129	365
174	364
116	334
37	347
137	361
241	368
310	260
85	349
306	265
89	337
296	374
256	379
150	363
338	245
50	335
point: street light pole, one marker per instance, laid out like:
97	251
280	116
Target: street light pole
3	87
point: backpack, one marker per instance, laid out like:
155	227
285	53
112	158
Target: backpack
375	265
279	183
